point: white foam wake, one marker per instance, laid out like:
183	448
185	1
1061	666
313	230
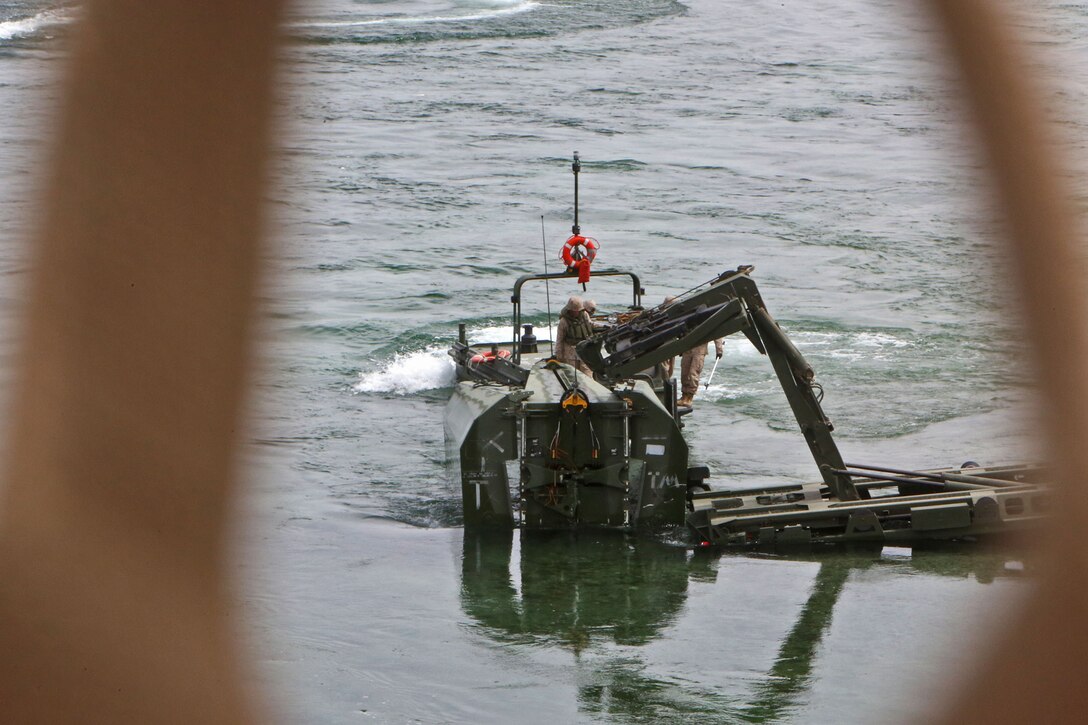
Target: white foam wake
409	373
428	369
499	10
27	26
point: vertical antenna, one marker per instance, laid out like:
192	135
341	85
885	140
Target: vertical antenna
547	287
576	167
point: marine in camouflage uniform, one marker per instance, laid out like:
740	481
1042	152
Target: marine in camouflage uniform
691	368
574	326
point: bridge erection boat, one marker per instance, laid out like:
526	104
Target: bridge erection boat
538	444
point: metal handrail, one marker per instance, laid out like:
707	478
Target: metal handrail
515	298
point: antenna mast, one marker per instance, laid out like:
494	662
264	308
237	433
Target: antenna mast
547	287
576	167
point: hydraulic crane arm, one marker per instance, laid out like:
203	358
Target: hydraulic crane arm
641	344
724	306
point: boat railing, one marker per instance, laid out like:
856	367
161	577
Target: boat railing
636	295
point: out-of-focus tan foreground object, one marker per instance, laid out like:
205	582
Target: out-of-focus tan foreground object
118	471
1037	670
131	379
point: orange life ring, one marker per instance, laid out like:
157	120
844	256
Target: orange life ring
589	250
489	356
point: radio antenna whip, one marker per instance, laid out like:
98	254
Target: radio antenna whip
547	287
576	167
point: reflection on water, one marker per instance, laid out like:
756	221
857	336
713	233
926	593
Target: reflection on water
570	589
610	594
793	666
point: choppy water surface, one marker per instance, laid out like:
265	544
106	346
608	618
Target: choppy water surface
423	142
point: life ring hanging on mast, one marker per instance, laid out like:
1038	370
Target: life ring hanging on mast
579	252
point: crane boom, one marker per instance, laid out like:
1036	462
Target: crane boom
726	305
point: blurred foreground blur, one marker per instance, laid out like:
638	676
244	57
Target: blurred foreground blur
111	546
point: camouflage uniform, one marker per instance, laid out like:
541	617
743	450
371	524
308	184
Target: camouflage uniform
691	368
574	326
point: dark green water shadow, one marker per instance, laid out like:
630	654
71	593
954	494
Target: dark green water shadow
589	591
